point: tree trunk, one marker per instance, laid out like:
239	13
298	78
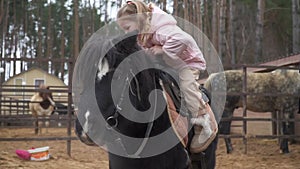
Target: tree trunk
2	14
76	29
222	31
32	39
164	2
15	37
2	11
175	8
259	30
232	25
85	25
186	10
39	53
191	11
119	3
62	43
180	9
4	37
49	39
198	19
106	11
296	25
186	18
206	20
93	14
215	25
25	26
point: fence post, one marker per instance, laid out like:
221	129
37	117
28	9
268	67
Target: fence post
2	123
278	125
70	66
245	108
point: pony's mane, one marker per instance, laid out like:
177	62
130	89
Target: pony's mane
122	47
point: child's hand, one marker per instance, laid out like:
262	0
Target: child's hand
156	50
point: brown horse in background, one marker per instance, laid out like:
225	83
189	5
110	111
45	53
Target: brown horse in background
41	105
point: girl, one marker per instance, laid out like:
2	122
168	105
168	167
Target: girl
160	35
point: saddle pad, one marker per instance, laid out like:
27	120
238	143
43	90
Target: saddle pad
178	122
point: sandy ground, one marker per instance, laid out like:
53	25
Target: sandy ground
261	153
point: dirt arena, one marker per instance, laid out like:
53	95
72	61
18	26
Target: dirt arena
261	154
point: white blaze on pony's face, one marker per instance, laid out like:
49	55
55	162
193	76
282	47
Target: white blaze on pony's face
103	68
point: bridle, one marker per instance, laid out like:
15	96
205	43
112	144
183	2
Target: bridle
112	121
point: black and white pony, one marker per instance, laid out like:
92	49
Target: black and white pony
119	108
41	105
260	86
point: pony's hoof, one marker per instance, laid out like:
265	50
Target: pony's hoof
229	150
284	151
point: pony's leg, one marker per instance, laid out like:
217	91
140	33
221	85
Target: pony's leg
291	128
225	127
284	146
40	124
40	127
229	146
36	125
47	123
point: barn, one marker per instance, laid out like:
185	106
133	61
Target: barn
33	77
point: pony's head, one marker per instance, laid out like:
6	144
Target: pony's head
46	96
117	49
123	106
45	92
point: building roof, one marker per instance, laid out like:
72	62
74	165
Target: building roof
29	70
286	61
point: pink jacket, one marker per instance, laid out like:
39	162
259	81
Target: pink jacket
180	47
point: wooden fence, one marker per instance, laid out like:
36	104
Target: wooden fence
14	109
276	119
14	112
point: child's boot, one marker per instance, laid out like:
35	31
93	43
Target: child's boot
205	129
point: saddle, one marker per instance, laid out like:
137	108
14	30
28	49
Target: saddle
178	113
